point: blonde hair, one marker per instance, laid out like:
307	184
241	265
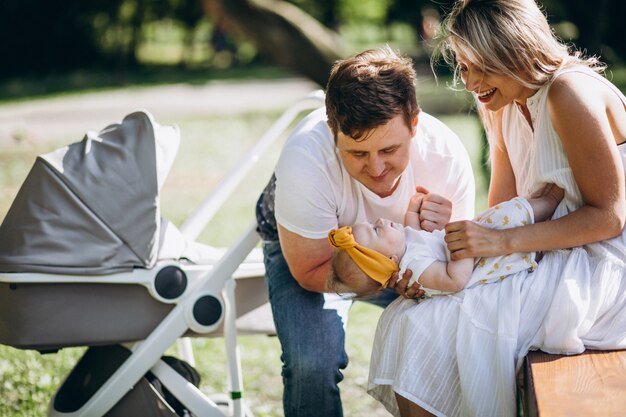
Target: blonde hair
506	37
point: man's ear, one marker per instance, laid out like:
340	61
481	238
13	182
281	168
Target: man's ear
414	125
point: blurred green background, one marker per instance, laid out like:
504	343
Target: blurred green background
79	49
50	47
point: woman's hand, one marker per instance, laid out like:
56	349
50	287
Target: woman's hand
466	239
414	291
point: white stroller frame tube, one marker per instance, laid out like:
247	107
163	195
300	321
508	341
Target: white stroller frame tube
148	352
189	395
235	380
185	391
197	221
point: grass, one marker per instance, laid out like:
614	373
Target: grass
29	379
210	148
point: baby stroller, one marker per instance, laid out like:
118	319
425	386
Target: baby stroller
87	260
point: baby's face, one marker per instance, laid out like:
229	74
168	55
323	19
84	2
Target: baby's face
383	236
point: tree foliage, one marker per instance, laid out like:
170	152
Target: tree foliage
303	35
291	37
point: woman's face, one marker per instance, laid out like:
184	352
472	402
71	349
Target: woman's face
494	91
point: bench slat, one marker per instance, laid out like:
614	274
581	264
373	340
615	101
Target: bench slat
590	384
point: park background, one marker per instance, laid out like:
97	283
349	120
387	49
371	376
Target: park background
223	71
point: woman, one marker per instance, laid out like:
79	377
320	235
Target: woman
550	118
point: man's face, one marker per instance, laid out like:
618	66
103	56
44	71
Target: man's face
378	160
383	236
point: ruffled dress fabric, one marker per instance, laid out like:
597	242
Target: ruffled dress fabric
458	355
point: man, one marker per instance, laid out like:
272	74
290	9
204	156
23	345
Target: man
360	158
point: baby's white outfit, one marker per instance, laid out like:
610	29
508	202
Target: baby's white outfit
423	248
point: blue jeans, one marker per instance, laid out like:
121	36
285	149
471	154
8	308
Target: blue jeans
311	330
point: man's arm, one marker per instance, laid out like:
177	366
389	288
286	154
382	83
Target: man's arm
308	259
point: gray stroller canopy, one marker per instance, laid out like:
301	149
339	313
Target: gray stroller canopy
92	207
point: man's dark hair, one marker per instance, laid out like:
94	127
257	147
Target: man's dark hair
368	90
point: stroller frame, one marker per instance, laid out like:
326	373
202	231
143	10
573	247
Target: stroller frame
206	302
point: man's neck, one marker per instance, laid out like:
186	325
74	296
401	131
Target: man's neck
388	193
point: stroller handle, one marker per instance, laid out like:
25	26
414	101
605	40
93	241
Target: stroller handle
197	221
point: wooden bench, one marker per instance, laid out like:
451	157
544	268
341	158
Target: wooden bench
590	384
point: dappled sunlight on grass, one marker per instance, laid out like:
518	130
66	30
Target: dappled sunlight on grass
28	379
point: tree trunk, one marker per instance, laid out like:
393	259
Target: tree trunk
292	38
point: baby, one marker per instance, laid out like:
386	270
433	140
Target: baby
367	254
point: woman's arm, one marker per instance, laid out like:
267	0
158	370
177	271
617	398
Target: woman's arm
502	185
579	116
578	109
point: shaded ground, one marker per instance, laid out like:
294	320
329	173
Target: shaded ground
75	114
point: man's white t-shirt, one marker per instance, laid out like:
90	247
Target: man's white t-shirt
315	193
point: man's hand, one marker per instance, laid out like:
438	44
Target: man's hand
414	291
435	210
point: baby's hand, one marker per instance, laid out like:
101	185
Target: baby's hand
551	191
545	201
415	202
412	216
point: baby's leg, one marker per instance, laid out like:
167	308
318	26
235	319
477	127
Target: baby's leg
513	213
506	215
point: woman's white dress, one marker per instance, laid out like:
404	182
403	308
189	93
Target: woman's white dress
458	355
